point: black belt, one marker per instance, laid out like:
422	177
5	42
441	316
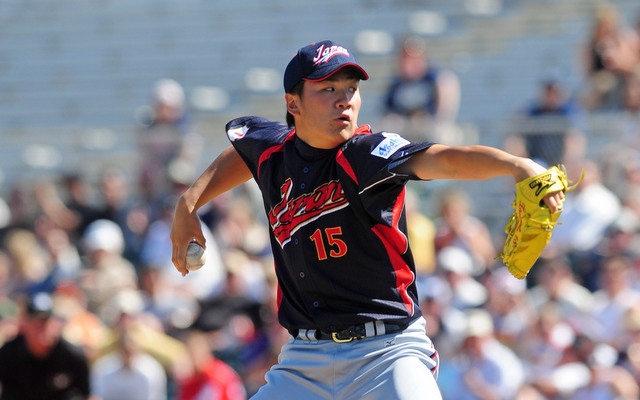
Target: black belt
355	332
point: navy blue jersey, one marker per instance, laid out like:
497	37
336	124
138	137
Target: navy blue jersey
337	224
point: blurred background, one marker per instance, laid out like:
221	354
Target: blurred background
108	109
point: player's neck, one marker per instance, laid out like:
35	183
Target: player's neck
323	139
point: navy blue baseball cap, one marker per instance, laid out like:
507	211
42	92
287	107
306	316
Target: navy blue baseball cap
318	61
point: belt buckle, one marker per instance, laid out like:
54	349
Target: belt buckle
352	334
334	336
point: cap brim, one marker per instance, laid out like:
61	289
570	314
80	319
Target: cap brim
322	74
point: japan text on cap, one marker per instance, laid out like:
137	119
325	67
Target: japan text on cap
318	61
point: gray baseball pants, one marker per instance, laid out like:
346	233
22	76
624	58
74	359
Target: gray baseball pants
399	366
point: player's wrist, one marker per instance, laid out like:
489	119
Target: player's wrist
524	168
188	201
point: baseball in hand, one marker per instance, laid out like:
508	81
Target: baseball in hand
196	256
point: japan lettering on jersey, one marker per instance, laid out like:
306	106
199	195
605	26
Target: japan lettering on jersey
290	214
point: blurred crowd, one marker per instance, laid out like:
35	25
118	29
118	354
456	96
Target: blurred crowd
89	267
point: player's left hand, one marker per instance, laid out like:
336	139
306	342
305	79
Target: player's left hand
554	201
530	168
531	224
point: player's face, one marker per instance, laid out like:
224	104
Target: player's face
327	111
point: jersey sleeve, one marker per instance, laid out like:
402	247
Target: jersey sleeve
253	137
372	157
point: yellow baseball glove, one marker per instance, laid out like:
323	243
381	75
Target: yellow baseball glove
530	226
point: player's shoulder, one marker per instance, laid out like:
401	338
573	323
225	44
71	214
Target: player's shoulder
238	128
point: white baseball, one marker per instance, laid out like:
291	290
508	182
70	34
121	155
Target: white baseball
196	256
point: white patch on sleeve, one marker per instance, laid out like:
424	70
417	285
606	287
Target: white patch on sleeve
389	145
237	133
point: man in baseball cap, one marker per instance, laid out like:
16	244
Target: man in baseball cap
333	192
39	363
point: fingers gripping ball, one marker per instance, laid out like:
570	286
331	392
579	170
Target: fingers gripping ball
531	224
196	256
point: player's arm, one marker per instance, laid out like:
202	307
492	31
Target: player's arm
227	171
473	163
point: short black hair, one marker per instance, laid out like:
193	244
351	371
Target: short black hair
297	90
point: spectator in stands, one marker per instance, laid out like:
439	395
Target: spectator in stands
629	121
624	55
543	347
31	267
106	271
128	373
423	100
457	226
39	363
82	327
556	283
631	99
545	125
64	256
608	57
206	377
239	228
510	307
630	354
586	370
421	231
589	211
615	298
456	266
445	323
70	210
608	379
484	368
170	146
120	206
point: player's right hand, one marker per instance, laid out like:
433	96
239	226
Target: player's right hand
185	229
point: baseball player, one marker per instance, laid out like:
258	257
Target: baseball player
334	194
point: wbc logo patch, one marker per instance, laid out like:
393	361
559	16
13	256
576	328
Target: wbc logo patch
237	133
389	145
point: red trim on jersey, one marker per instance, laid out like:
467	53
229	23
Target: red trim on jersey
363	129
398	239
268	152
342	160
344	163
396	244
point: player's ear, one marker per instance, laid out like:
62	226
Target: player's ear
292	103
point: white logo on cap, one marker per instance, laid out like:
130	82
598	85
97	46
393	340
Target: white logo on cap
325	54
